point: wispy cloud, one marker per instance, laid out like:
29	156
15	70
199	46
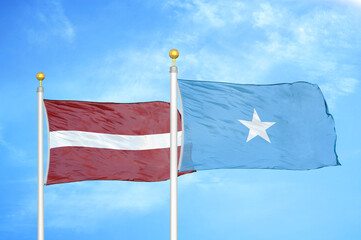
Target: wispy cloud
136	75
356	3
337	88
96	201
13	151
83	206
52	21
267	16
209	13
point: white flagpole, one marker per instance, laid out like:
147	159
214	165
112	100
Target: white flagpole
40	76
173	148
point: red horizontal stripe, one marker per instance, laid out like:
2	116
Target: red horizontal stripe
112	118
72	164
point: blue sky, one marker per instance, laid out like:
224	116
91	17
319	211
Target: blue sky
118	51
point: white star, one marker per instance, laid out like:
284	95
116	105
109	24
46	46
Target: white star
257	128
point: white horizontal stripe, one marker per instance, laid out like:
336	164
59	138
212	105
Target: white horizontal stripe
111	141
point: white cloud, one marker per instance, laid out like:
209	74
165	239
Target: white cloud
210	13
352	2
135	75
267	16
14	152
85	204
337	88
347	85
52	22
312	44
82	206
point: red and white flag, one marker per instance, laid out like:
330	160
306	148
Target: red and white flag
108	141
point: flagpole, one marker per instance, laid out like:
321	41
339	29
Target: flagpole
40	76
173	148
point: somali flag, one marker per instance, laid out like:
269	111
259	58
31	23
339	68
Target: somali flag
278	126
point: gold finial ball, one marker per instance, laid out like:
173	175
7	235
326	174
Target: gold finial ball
40	76
173	53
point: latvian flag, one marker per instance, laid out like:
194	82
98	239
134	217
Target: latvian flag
108	141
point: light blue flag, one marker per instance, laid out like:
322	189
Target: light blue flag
278	126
